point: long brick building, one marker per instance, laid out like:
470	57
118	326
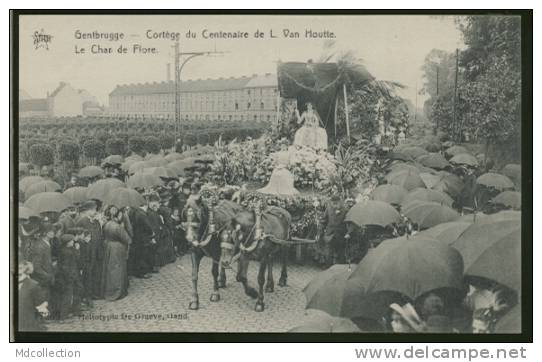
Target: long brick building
245	98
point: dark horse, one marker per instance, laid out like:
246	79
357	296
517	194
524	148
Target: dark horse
205	238
256	235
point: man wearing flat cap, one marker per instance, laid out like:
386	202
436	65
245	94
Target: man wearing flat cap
87	220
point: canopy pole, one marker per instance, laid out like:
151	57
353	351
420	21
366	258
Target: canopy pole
346	112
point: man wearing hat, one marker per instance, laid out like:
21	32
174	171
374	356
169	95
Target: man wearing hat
332	222
140	259
41	259
67	218
87	220
178	201
67	277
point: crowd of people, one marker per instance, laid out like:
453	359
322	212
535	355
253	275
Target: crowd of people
91	252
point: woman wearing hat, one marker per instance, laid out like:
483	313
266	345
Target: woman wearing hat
117	240
41	259
88	220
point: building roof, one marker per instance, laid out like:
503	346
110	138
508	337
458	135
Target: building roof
33	105
260	81
198	85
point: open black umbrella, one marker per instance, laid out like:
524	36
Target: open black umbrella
372	212
91	171
391	194
492	250
423	194
144	180
77	194
26	213
512	170
456	150
464	159
326	290
101	188
406	179
447	232
434	160
428	214
42	186
510	199
495	180
48	202
122	197
402	267
29	180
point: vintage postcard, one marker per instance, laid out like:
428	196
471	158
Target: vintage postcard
290	173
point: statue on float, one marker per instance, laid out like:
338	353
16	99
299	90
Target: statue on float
311	134
282	180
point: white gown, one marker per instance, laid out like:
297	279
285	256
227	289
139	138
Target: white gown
282	180
311	134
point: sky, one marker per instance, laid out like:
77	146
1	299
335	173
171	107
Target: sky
391	47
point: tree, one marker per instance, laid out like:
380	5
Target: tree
444	63
488	38
68	153
42	154
492	63
152	144
94	150
115	146
136	144
494	112
167	141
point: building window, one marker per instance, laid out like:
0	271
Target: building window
236	106
255	117
230	117
248	92
262	105
248	105
268	118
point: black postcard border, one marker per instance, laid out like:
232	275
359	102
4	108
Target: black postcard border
527	200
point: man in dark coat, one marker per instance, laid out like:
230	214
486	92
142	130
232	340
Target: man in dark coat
332	222
84	290
140	259
32	300
178	200
67	219
67	277
87	220
40	257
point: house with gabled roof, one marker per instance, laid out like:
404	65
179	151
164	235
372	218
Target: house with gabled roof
64	101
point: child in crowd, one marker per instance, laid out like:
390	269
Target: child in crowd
32	300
